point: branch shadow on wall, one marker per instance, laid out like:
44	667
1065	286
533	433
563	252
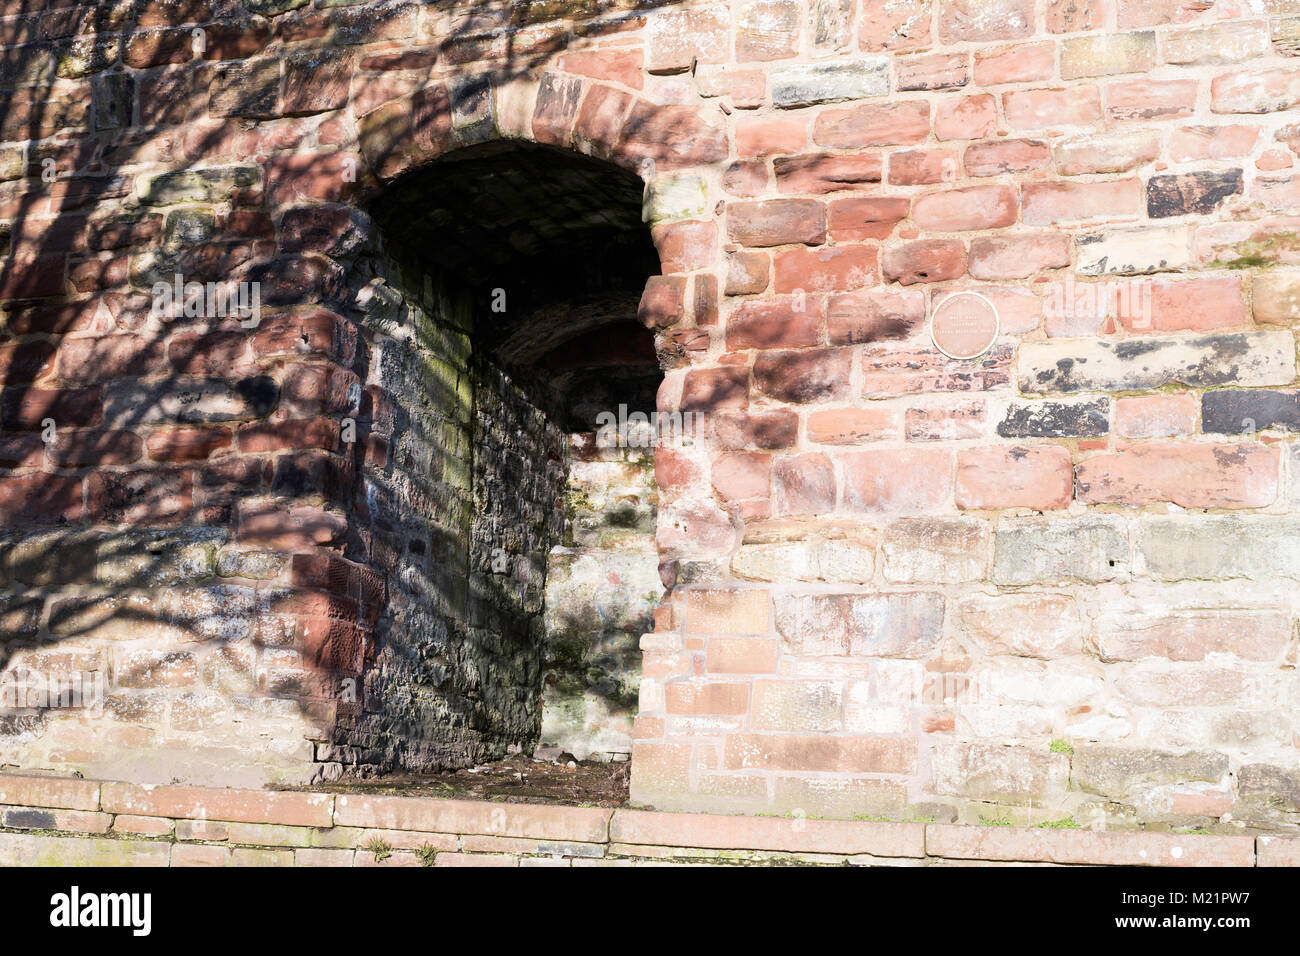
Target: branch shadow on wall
145	526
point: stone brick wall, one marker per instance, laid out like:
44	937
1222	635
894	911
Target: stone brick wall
1060	574
602	587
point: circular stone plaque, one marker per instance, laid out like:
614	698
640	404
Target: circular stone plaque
964	325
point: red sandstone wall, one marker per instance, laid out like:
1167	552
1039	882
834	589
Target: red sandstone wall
897	578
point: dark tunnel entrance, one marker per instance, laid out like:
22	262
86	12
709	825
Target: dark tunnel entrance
521	556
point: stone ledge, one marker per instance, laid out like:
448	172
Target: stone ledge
197	826
1277	851
524	820
708	831
1087	847
234	806
62	793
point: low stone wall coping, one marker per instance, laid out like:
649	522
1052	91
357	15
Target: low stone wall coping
94	823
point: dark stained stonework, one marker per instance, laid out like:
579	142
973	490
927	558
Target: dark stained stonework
1057	420
1197	192
1234	412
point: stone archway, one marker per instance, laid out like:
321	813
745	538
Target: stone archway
500	305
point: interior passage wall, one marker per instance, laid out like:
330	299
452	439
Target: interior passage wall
602	588
461	494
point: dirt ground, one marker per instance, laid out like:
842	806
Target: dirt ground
516	780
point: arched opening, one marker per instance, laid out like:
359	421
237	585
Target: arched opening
502	297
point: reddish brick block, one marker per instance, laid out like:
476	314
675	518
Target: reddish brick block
966	117
851	426
898	481
742	475
805	484
993	478
685	246
777	222
833	269
1185	474
873	316
858	219
1046	204
39	499
1021	63
770	135
896	124
1150	99
819	173
926	260
1018	257
810	375
708	390
1006	156
922	167
728	612
1035	109
716	698
781	323
975	207
1156	416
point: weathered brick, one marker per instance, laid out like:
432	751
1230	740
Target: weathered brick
1088	549
1263	92
1220	546
1275	297
898	124
1113	153
1036	109
819	752
1005	156
825	172
935	550
1150	99
977	20
1038	477
1057	420
976	207
1021	63
1242	358
1245	411
991	772
1108	54
1046	204
1132	251
879	625
925	260
807	375
777	222
1194	193
902	371
966	117
1017	257
1189	475
808	84
873	316
918	167
727	612
897	481
1189	635
1043	626
1156	416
